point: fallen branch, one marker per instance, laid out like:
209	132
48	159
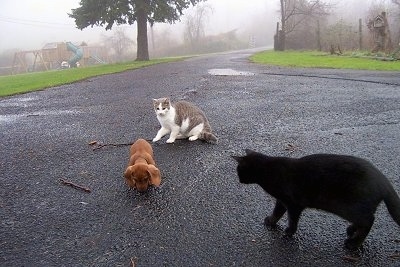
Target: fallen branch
76	186
115	145
351	258
395	256
96	145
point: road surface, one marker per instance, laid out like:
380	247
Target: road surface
201	215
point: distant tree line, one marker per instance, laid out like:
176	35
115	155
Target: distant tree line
306	24
110	13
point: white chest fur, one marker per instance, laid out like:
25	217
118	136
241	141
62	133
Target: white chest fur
167	119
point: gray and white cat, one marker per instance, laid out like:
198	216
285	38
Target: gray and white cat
182	120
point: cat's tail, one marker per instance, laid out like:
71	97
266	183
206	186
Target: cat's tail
392	201
208	137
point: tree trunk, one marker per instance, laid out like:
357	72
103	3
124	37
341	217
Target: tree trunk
360	35
282	35
276	38
142	42
319	36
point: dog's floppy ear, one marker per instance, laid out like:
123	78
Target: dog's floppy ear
128	177
128	172
155	176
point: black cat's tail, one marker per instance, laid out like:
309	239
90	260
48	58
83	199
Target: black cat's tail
392	201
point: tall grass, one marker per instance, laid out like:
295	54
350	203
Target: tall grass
22	83
312	59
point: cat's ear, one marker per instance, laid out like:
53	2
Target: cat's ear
249	151
237	158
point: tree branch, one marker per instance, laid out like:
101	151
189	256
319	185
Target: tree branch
65	182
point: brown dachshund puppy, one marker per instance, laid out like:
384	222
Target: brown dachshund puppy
141	171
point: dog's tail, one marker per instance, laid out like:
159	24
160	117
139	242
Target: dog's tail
208	137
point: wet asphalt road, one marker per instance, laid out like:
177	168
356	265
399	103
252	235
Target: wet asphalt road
201	215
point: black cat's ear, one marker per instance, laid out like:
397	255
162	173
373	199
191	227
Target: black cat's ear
249	151
237	158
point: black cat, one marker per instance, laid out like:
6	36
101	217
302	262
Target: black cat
347	186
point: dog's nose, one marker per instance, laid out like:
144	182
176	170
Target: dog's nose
141	188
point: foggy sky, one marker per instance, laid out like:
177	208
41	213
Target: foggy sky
29	24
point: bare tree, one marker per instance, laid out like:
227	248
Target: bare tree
397	2
341	36
294	13
195	24
120	43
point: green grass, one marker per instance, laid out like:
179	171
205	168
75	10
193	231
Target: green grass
313	59
22	83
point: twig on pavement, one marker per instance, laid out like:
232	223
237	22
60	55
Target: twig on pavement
76	186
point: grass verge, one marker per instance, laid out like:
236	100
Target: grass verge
23	83
315	59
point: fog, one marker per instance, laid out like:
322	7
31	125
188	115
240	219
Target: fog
29	25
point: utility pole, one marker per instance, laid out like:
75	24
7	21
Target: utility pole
319	36
360	35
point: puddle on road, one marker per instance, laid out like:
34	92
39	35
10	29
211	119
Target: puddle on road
229	72
17	102
14	117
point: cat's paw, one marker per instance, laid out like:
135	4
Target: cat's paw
351	230
290	231
170	141
193	138
155	139
352	244
270	221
